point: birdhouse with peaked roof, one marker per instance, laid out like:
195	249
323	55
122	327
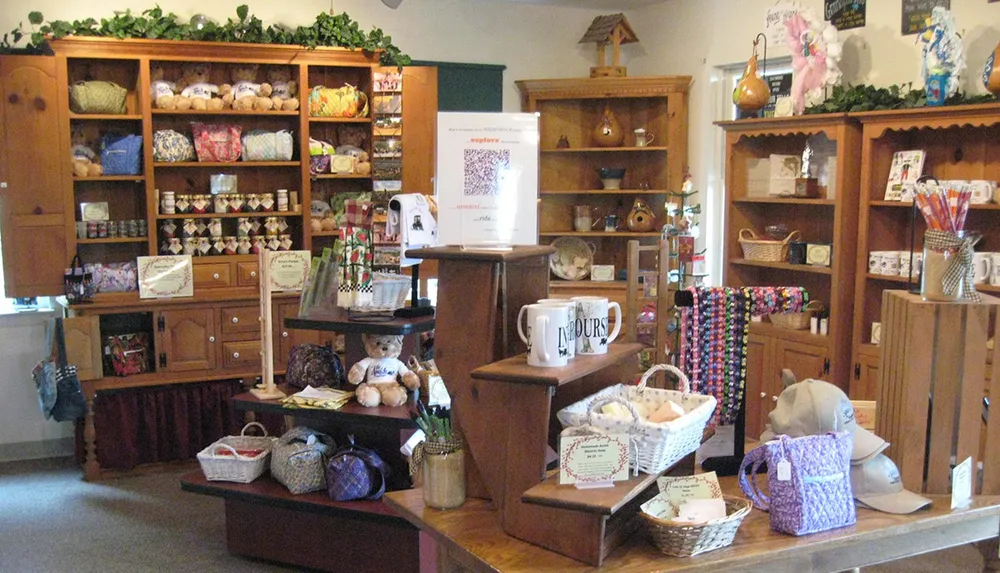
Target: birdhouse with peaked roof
612	29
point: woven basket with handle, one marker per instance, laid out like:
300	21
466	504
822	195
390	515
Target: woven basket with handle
797	320
756	249
678	540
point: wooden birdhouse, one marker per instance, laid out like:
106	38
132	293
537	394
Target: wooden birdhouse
611	29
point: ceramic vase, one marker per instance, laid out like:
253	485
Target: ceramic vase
608	132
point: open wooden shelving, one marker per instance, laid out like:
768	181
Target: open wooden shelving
783	266
135	178
112	240
648	148
104	117
226	164
295	213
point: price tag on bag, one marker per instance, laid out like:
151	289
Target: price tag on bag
784	470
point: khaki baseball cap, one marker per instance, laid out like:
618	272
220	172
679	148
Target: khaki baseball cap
876	484
813	407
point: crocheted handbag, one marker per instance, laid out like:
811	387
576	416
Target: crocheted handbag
355	473
809	482
298	459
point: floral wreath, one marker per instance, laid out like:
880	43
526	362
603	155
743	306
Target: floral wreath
816	52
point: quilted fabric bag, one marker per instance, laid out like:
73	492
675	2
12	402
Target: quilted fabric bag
97	97
171	146
314	365
216	142
809	482
298	459
121	154
113	277
355	473
261	145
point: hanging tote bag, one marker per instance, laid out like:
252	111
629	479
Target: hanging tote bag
298	460
59	391
171	146
809	482
97	97
78	283
121	154
261	145
219	143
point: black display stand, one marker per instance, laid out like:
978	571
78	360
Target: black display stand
418	306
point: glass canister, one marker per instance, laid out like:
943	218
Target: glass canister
215	227
221	203
940	248
252	204
235	203
443	476
183	204
266	202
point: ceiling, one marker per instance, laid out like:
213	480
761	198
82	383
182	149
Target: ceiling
616	5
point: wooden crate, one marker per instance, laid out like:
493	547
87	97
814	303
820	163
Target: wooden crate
930	396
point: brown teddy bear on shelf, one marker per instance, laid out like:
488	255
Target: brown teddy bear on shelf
378	377
245	93
85	161
197	91
161	92
283	88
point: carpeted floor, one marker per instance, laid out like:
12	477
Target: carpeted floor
51	521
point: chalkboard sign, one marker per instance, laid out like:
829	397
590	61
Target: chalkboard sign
845	14
916	13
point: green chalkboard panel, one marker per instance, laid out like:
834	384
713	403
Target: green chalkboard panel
468	87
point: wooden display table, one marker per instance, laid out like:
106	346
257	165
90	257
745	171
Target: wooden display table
471	537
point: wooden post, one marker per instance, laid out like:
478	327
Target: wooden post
600	54
267	390
616	45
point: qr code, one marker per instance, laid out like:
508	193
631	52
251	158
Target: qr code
483	169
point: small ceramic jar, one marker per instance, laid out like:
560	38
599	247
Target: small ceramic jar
200	204
215	227
285	242
221	202
183	204
174	247
167	203
231	245
282	201
191	246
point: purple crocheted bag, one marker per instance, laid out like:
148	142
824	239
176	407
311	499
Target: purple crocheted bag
809	482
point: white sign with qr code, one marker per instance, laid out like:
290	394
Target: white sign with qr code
487	179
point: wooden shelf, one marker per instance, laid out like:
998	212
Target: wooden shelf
606	149
783	266
988	288
230	215
802	336
597	234
900	204
339	321
112	240
610	285
605	192
135	178
340	176
270	113
105	116
351	412
786	201
516	369
324	233
340	119
892	278
224	164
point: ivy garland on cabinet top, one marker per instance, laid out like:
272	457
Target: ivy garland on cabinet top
869	98
326	30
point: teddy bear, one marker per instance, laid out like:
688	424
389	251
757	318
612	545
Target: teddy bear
245	93
196	89
162	92
83	157
378	377
283	88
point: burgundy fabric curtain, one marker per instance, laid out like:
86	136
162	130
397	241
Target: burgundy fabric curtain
162	423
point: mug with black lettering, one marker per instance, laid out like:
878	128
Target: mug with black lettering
570	333
592	319
546	334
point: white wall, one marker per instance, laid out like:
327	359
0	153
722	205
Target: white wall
696	37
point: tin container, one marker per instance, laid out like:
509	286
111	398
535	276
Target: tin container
168	203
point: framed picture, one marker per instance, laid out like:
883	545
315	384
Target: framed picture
94	211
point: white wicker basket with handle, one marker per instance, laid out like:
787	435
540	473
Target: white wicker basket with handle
659	446
233	466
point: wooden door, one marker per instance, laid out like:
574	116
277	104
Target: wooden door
187	339
759	355
804	360
866	380
34	177
288	338
419	137
83	346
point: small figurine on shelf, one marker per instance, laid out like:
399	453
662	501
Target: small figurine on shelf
196	90
380	375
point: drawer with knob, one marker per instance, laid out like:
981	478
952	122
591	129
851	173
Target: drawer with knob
212	276
241	354
247	274
239	319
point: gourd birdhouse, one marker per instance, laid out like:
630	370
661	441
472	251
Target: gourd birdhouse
615	30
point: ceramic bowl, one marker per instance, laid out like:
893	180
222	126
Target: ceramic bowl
611	177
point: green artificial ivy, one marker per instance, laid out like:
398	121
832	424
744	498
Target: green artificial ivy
870	98
326	30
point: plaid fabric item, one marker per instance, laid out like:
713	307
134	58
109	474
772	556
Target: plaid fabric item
960	266
359	213
355	473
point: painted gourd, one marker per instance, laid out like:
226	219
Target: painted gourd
609	132
751	91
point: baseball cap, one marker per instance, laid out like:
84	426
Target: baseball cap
812	407
876	484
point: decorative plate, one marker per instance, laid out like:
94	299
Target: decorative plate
573	258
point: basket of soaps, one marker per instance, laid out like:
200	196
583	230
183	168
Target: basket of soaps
797	320
665	425
238	459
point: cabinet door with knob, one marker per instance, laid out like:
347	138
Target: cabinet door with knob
759	373
804	360
32	183
866	375
186	339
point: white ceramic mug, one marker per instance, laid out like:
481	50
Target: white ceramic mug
592	317
547	327
570	334
982	268
995	274
982	191
642	139
890	262
875	262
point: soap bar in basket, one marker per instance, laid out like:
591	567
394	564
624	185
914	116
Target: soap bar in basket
668	412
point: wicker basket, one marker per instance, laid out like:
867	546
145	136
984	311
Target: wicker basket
659	446
755	249
796	320
689	540
232	466
389	292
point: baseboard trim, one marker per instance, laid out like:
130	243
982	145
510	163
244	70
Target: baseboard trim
18	451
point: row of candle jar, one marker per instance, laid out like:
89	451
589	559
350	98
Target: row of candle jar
173	204
245	227
110	229
213	246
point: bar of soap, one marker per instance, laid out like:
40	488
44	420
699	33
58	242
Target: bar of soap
617	410
667	412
